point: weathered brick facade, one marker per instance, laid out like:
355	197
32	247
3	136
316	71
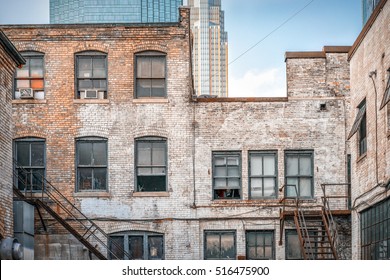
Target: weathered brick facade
311	118
370	170
9	60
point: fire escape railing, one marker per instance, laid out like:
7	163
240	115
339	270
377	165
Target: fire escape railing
86	231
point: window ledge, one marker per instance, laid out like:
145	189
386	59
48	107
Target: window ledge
150	194
360	158
91	194
91	101
29	101
150	100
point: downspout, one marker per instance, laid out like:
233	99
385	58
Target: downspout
371	74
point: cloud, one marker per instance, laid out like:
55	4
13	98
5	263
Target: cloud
255	83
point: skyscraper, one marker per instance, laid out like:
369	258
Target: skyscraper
210	48
368	8
114	11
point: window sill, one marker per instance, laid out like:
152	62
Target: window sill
91	101
151	100
29	101
92	194
151	194
360	158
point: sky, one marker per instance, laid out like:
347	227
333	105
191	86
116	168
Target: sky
261	72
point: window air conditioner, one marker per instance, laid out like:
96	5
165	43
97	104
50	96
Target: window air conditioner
92	94
26	93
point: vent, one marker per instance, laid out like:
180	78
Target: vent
92	94
26	93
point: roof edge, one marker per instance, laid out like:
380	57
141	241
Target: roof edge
11	50
317	54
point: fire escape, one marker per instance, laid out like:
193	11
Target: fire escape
43	195
315	224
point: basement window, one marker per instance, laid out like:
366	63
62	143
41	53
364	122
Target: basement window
260	245
220	245
29	79
226	175
151	164
91	164
137	246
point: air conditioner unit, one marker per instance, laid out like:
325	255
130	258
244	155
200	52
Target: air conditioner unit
26	93
92	94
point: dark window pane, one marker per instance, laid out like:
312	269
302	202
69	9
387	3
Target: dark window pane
85	84
100	153
293	247
144	88
100	178
23	179
85	178
37	178
116	246
36	67
85	67
155	247
85	153
99	67
23	154
158	153
37	154
136	247
100	84
227	246
213	250
151	183
158	88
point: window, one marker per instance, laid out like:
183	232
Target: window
30	169
386	95
91	164
260	245
375	232
29	79
299	173
150	75
293	246
227	175
262	174
220	245
91	75
138	245
360	126
151	164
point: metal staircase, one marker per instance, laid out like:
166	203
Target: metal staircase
43	195
315	225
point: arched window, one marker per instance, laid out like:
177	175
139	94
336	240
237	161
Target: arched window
91	159
29	154
29	79
151	164
150	75
91	75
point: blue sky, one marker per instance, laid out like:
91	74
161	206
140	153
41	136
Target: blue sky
261	72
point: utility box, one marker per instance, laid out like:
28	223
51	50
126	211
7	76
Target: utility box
24	227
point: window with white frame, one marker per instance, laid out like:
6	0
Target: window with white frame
137	245
299	173
29	79
262	174
226	175
151	164
91	166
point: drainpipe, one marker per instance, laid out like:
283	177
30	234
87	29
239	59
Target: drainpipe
371	74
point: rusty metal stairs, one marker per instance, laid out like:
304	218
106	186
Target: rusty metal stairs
50	199
314	235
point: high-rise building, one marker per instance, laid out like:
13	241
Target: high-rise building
210	48
368	8
114	11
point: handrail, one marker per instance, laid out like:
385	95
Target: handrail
74	213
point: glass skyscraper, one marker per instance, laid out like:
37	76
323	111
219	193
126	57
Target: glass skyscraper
114	11
210	49
368	7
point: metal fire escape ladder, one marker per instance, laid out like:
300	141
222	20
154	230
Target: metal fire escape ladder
66	213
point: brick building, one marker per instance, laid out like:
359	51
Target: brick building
369	136
10	58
